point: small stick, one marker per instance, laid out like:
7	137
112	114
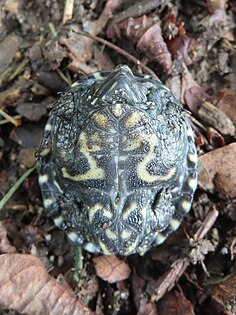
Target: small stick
15	122
178	268
68	11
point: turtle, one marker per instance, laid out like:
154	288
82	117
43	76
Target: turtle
118	162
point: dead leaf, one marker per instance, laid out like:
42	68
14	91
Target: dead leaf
228	105
217	170
215	138
175	303
5	246
214	117
28	135
25	286
146	34
32	111
146	307
153	46
8	49
138	285
225	294
12	6
111	269
192	94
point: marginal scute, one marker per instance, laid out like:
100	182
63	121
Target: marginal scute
118	163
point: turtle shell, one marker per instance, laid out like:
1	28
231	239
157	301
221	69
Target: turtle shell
118	163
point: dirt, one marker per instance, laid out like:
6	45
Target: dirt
190	47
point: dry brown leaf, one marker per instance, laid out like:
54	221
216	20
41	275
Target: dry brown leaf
214	117
138	285
5	246
147	307
192	94
146	34
153	46
217	170
175	303
228	105
8	49
25	286
111	269
225	294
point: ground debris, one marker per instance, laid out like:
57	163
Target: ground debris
217	170
111	269
213	116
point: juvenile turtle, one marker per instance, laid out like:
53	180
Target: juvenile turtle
118	163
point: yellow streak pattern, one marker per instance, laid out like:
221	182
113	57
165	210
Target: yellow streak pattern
94	172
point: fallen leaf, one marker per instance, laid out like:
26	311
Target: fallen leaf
228	105
192	94
111	269
8	49
32	111
28	135
146	34
214	117
217	170
153	46
147	307
175	303
138	285
225	294
5	246
26	287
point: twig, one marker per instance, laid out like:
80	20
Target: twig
6	121
178	268
52	29
17	184
138	9
68	11
64	78
15	122
122	52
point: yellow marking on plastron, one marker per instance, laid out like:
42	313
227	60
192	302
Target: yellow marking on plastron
58	221
93	210
95	138
107	213
125	234
47	202
104	248
133	119
101	120
110	234
129	210
174	223
117	110
192	183
133	144
192	157
48	127
142	171
94	172
133	245
43	178
186	205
